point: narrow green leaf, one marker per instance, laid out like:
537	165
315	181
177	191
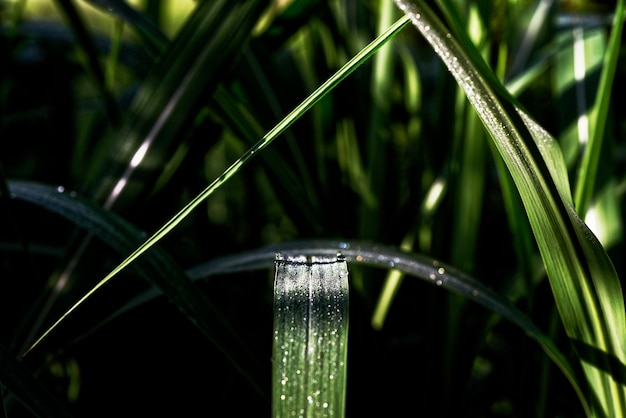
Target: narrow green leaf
239	120
350	66
586	180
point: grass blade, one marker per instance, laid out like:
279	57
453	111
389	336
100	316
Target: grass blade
586	180
383	257
310	336
237	165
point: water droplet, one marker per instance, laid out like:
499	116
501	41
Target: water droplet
391	264
283	397
344	245
439	282
60	189
432	276
441	270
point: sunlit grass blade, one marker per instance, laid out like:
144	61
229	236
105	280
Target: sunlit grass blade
243	124
237	165
411	264
272	102
575	66
586	180
579	68
310	336
586	288
159	116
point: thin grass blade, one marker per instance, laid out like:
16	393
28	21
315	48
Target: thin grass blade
237	165
586	180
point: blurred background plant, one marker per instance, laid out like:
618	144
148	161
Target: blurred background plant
136	107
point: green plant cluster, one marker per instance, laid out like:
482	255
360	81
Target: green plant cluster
154	157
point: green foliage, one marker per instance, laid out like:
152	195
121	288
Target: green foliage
260	123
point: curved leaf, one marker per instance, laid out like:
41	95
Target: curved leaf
375	255
157	267
585	285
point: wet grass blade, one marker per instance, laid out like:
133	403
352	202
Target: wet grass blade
384	257
310	336
586	288
412	264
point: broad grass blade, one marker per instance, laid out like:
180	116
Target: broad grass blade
310	336
586	288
